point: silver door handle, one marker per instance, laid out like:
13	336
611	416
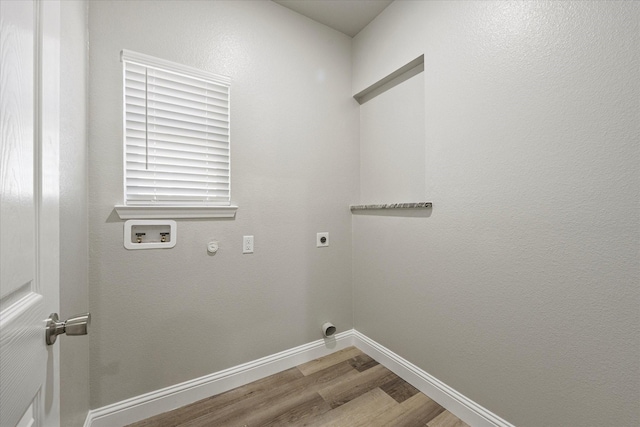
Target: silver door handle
76	325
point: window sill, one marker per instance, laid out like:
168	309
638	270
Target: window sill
173	212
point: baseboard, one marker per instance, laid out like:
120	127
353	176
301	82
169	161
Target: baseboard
154	403
169	398
458	404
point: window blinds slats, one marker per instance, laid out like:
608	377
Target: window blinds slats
159	92
136	103
169	82
139	97
211	175
172	126
205	123
132	67
177	171
192	200
189	147
137	84
194	109
176	137
170	184
168	194
178	82
155	136
176	120
137	123
178	193
196	83
157	162
163	85
179	90
161	163
190	176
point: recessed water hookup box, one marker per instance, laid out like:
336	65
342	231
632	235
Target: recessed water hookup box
150	234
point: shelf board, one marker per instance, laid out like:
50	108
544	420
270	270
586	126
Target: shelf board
417	205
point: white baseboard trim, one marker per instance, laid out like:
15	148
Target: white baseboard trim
458	404
169	398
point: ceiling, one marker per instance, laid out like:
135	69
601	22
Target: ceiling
346	16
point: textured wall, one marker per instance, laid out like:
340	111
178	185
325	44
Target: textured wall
392	141
74	252
521	288
166	316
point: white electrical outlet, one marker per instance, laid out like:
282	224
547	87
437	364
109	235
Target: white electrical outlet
322	239
247	244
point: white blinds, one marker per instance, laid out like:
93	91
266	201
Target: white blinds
176	132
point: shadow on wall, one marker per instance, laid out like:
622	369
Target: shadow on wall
408	213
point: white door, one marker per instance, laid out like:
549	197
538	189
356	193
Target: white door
29	218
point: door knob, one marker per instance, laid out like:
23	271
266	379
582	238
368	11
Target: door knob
76	325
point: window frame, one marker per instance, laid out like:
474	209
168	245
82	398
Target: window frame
175	209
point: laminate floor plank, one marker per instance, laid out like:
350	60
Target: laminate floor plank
330	360
362	363
350	388
345	389
358	412
399	389
258	408
302	414
447	419
416	411
299	405
211	404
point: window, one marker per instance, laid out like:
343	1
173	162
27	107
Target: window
176	134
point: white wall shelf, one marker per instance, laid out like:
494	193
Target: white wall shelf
417	205
400	75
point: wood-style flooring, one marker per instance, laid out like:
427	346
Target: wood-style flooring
346	388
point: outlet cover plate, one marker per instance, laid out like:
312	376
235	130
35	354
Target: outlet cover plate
247	244
322	239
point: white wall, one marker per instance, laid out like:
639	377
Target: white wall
520	290
392	141
74	252
166	316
